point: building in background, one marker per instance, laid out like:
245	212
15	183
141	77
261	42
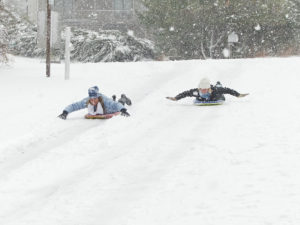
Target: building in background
98	14
32	9
90	14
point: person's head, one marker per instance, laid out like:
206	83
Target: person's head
94	101
204	86
93	95
93	92
96	88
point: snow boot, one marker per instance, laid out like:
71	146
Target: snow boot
218	84
124	100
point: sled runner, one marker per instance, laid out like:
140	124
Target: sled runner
102	116
208	103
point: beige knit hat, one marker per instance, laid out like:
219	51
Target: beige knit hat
204	83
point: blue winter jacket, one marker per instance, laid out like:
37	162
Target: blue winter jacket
109	105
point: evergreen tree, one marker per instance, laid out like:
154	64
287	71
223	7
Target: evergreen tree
194	28
200	28
295	6
265	27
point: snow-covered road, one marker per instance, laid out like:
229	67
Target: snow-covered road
169	163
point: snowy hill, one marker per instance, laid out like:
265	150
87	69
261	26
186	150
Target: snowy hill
170	163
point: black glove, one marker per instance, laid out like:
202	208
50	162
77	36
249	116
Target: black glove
124	112
63	115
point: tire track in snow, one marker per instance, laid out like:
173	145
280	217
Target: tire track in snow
16	155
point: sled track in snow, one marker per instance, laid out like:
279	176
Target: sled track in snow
20	154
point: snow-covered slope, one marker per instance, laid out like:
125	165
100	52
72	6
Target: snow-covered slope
170	163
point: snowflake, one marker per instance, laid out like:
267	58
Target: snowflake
257	27
130	32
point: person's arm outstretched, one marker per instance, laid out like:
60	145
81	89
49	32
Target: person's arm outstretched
73	107
189	93
225	90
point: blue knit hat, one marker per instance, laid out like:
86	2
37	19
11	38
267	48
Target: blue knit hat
96	88
93	92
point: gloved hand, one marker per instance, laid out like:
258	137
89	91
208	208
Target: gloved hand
63	115
124	112
171	98
242	95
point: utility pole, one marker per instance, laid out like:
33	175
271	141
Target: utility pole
48	46
27	11
67	53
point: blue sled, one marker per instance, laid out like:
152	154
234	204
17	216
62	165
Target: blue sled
207	103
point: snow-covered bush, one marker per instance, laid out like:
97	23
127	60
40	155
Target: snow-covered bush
109	46
3	38
88	46
3	45
21	35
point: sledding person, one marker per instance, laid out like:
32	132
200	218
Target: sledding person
207	92
98	104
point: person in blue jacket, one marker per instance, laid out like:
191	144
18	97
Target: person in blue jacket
98	104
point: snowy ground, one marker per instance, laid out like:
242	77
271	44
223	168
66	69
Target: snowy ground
170	163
